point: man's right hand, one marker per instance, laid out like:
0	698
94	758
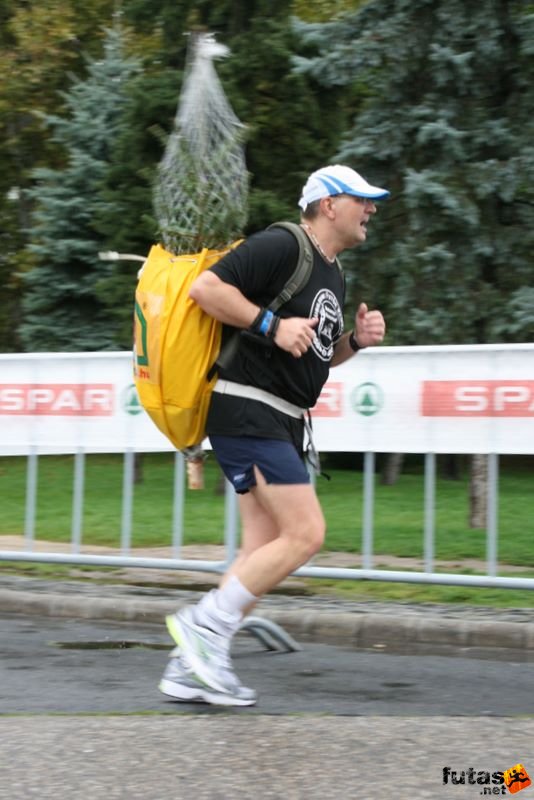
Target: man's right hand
295	335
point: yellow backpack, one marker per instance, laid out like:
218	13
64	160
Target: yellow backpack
177	346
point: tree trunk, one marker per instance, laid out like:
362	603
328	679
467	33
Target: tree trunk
451	467
138	468
478	492
392	469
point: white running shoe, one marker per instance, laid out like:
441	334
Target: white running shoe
180	683
207	653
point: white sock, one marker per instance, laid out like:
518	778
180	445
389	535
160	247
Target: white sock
221	610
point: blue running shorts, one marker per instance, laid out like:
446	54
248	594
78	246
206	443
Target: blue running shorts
278	461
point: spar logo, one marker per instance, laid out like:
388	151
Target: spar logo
367	399
57	399
477	398
130	401
330	402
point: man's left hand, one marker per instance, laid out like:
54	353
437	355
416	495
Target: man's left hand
369	326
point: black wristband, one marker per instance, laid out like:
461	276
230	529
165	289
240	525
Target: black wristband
353	344
274	327
257	321
263	324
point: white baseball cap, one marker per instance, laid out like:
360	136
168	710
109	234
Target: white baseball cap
329	181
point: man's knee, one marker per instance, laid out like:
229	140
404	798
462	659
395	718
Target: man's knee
308	537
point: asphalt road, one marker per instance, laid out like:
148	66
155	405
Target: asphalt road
69	666
82	718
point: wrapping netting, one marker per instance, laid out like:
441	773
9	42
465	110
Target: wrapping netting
200	197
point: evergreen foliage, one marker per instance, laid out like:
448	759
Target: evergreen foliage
431	99
39	45
293	125
10	241
125	220
62	310
446	123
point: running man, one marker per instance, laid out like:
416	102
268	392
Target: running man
256	421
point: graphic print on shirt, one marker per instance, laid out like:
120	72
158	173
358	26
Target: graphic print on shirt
326	307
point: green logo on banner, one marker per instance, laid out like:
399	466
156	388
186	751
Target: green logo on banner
367	399
130	400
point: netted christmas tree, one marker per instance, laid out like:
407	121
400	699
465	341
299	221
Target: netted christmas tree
200	196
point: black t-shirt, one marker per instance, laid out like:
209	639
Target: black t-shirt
259	268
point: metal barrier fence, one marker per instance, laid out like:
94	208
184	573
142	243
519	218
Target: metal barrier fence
231	530
451	399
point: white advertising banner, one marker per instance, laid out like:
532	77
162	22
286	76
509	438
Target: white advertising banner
65	402
457	399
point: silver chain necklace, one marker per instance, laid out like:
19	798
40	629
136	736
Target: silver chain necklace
313	237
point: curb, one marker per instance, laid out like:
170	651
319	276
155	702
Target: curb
355	629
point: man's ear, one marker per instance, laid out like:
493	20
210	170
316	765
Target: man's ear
327	207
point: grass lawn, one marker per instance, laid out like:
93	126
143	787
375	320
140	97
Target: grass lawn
398	517
398	521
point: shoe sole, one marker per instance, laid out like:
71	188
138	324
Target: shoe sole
197	664
199	695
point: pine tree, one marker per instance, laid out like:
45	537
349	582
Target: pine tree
61	306
446	123
201	189
40	45
126	220
293	125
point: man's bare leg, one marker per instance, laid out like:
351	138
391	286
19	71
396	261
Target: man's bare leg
283	527
257	530
289	530
296	515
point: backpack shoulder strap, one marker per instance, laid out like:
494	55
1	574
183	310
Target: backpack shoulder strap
301	274
302	271
296	281
294	284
